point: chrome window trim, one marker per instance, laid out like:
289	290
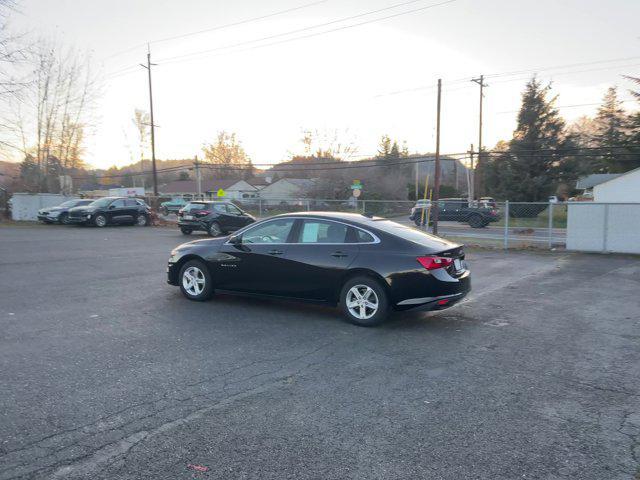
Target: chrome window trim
248	227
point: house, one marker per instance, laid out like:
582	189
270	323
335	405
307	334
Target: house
233	188
452	171
286	189
621	188
587	183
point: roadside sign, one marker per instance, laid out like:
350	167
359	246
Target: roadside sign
356	185
220	192
356	192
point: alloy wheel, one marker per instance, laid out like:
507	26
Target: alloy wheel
141	220
101	220
214	229
362	302
193	281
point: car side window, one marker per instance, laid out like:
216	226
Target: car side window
363	237
233	210
130	202
117	203
220	208
320	231
273	231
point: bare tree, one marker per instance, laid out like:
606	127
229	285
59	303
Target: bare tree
228	156
51	115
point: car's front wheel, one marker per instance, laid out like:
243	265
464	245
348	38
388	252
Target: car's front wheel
100	221
195	281
63	219
364	301
476	221
186	231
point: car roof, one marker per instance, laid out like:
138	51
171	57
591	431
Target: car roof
356	218
208	201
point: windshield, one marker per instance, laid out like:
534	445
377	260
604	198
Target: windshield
103	202
67	204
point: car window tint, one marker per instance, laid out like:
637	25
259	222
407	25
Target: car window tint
363	237
233	210
220	208
117	203
195	206
130	202
274	231
319	231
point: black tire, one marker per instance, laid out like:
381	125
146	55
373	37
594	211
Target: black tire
100	220
476	221
214	229
165	211
186	231
382	311
419	222
207	288
63	219
141	220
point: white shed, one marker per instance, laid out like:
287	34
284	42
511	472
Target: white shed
622	189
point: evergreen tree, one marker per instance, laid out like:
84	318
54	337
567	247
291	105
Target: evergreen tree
611	133
537	153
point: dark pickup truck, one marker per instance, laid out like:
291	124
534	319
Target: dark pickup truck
458	210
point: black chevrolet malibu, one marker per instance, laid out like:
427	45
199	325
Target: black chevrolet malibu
365	265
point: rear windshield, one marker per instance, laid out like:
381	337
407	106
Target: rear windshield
197	206
412	234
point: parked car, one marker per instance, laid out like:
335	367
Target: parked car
456	209
213	217
173	205
60	214
366	265
111	210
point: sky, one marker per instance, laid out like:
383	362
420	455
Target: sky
362	81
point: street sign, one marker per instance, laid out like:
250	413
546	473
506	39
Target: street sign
221	192
356	192
356	185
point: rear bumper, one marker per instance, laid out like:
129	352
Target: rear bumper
192	225
444	293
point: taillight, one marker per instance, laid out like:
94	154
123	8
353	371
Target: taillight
433	263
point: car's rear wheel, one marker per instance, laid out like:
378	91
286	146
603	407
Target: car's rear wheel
186	231
214	229
142	220
476	221
195	281
364	301
100	221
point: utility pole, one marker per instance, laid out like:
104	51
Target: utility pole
470	190
436	187
198	177
479	81
153	138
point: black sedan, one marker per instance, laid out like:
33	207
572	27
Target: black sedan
213	217
365	265
60	214
111	210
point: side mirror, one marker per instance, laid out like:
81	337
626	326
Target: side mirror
235	239
111	207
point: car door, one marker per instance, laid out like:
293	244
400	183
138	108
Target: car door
319	255
132	209
237	219
117	211
257	264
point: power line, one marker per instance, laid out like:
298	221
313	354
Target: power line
312	27
567	106
219	27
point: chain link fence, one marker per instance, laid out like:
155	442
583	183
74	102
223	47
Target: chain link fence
586	226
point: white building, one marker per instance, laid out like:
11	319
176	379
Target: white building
624	188
287	189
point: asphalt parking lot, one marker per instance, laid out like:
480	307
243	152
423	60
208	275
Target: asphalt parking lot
106	372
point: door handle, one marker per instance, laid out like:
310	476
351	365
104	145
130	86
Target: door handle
276	252
339	255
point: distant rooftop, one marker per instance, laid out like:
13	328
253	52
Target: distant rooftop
594	179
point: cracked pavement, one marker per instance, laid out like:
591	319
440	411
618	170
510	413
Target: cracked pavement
106	372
